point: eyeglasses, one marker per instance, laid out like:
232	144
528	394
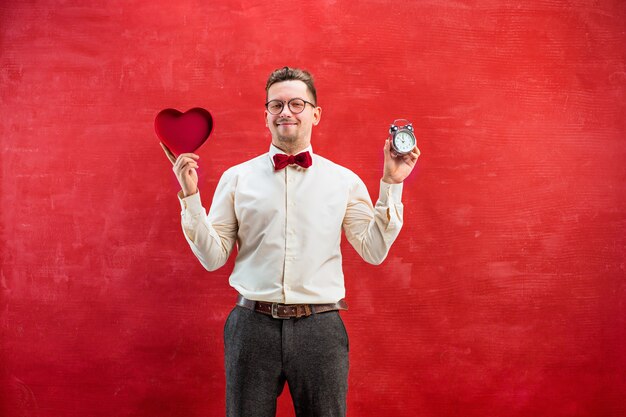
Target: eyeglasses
296	105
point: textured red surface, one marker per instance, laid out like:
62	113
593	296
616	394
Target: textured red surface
505	294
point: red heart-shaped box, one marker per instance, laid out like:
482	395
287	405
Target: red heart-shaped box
183	132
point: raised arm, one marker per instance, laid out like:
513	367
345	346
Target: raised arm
372	230
211	237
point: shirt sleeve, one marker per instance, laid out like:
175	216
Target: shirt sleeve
211	237
372	230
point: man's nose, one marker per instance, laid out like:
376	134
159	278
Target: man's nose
285	110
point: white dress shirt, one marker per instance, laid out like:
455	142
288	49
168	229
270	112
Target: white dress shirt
287	225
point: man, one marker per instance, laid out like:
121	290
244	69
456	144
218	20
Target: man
285	209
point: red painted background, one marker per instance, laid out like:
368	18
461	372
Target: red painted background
505	294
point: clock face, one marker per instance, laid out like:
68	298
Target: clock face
403	142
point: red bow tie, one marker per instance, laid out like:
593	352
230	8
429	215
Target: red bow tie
303	159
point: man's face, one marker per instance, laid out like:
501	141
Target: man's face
286	127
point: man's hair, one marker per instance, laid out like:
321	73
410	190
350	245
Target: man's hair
288	74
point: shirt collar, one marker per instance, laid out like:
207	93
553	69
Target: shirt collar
274	150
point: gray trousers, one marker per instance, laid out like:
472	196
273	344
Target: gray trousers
261	353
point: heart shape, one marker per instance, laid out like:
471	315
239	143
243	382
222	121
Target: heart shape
183	132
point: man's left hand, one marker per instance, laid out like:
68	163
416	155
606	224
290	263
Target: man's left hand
398	167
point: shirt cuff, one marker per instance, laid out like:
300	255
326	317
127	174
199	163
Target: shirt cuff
387	191
191	204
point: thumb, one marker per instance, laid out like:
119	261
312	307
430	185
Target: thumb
387	147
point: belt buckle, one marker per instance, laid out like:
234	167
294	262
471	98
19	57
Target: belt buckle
275	312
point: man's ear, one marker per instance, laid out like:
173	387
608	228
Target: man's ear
317	115
265	116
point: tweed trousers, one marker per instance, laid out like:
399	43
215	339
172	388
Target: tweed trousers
261	353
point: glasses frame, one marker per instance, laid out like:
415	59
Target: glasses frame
288	105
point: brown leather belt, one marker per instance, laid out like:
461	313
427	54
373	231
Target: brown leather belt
287	311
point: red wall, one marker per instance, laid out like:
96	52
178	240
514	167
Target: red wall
505	294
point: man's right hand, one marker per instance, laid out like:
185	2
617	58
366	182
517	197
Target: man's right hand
185	169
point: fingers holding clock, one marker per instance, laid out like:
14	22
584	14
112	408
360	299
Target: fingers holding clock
387	146
388	150
411	157
398	166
